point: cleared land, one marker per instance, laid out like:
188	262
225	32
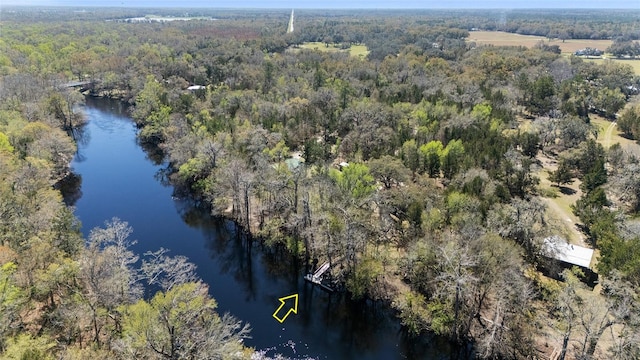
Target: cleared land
635	64
559	206
608	135
355	50
159	18
500	38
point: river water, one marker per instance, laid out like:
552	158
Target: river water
117	178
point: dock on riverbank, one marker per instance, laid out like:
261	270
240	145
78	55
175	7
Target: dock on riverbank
316	277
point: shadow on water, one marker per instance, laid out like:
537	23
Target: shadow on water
107	105
342	327
153	152
81	136
224	243
71	188
162	176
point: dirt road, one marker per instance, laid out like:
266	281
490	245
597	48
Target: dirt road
559	208
608	134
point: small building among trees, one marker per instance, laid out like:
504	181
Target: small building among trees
588	52
565	255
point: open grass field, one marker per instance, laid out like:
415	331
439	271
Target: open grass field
635	64
360	51
608	135
500	38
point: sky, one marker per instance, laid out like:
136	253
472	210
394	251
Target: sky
340	4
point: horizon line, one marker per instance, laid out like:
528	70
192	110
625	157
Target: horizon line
97	6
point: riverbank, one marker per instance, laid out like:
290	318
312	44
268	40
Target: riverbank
246	277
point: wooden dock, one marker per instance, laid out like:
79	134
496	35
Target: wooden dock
316	277
76	84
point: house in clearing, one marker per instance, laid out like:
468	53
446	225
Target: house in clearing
566	255
588	52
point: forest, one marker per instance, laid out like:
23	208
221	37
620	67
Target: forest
416	172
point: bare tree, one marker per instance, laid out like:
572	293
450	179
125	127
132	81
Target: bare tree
166	271
566	310
455	281
503	296
107	275
623	310
585	316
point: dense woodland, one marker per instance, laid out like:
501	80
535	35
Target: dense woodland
438	213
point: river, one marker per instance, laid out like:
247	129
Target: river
117	178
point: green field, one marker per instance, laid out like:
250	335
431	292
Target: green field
635	64
360	51
608	135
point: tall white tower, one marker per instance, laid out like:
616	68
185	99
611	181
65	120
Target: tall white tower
290	27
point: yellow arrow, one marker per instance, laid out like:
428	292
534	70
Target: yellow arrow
290	309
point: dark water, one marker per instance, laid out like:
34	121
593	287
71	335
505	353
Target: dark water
118	179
